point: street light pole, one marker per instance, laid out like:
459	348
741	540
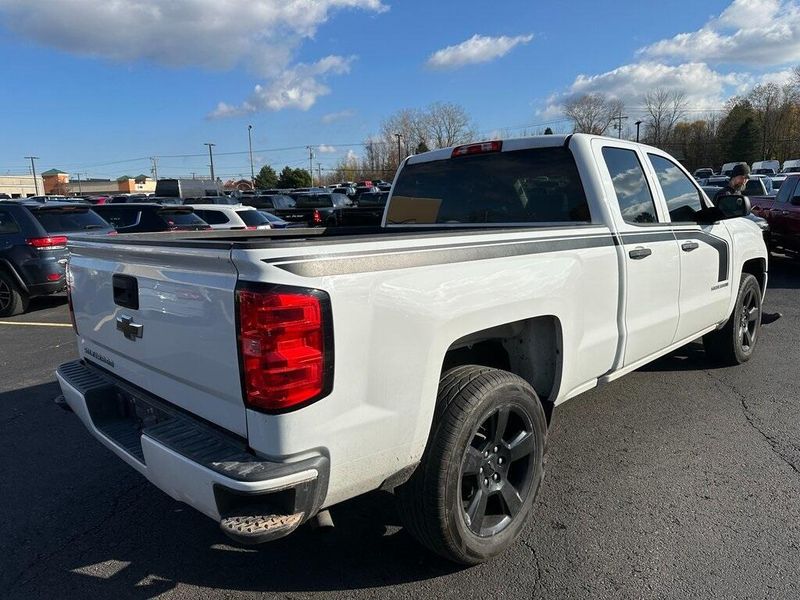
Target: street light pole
638	124
311	163
250	144
399	158
33	170
211	158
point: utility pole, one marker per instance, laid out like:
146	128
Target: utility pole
311	163
80	190
399	158
33	170
619	119
319	173
211	158
638	124
154	168
250	144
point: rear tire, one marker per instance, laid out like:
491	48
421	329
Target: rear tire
735	342
472	494
12	300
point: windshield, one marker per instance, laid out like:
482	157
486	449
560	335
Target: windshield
252	218
539	185
70	220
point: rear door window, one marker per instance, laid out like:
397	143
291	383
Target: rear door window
682	197
537	185
7	223
69	220
630	185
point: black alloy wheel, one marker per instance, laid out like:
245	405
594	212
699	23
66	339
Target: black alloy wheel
748	322
496	476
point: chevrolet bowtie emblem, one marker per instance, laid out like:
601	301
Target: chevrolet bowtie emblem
128	328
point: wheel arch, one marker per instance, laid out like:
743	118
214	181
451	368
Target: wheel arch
757	267
530	348
7	268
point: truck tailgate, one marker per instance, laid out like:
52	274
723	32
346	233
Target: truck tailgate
163	319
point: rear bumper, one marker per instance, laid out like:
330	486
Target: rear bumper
194	462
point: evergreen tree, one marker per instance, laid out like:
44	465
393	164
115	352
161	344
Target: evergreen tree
294	178
267	178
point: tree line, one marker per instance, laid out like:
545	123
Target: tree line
763	124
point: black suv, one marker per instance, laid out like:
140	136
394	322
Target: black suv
141	218
33	248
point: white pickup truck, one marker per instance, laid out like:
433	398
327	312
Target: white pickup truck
262	377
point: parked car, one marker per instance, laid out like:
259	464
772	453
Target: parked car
188	188
703	173
33	248
782	212
765	167
316	209
222	200
231	217
373	199
716	180
56	198
269	201
347	191
727	168
758	185
139	199
423	357
276	222
146	217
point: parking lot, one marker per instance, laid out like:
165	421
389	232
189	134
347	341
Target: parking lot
676	481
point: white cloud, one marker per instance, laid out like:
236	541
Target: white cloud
325	149
337	116
296	87
259	35
759	33
477	49
705	89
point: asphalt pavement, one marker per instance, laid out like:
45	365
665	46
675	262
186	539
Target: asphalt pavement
677	481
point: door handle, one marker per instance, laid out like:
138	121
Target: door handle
689	246
640	253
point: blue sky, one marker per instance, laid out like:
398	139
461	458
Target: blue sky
86	83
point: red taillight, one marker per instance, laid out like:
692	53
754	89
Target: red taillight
69	299
53	276
481	148
56	242
317	217
285	346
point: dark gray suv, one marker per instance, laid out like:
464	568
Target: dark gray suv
33	248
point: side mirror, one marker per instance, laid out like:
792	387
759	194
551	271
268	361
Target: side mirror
727	207
734	206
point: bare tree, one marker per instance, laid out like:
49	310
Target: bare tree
592	113
664	109
445	124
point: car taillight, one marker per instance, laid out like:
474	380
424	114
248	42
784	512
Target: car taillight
317	217
481	148
285	346
56	242
69	299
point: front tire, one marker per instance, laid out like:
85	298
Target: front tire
12	300
735	342
472	493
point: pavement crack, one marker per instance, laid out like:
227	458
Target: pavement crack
774	444
538	582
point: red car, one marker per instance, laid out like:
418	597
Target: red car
783	215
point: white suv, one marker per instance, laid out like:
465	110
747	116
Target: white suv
237	216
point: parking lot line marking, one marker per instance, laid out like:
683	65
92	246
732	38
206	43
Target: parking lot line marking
35	324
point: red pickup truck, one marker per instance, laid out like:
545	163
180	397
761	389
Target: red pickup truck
782	212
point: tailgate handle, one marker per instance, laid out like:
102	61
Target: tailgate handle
126	291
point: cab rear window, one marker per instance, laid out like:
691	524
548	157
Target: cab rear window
539	185
69	220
